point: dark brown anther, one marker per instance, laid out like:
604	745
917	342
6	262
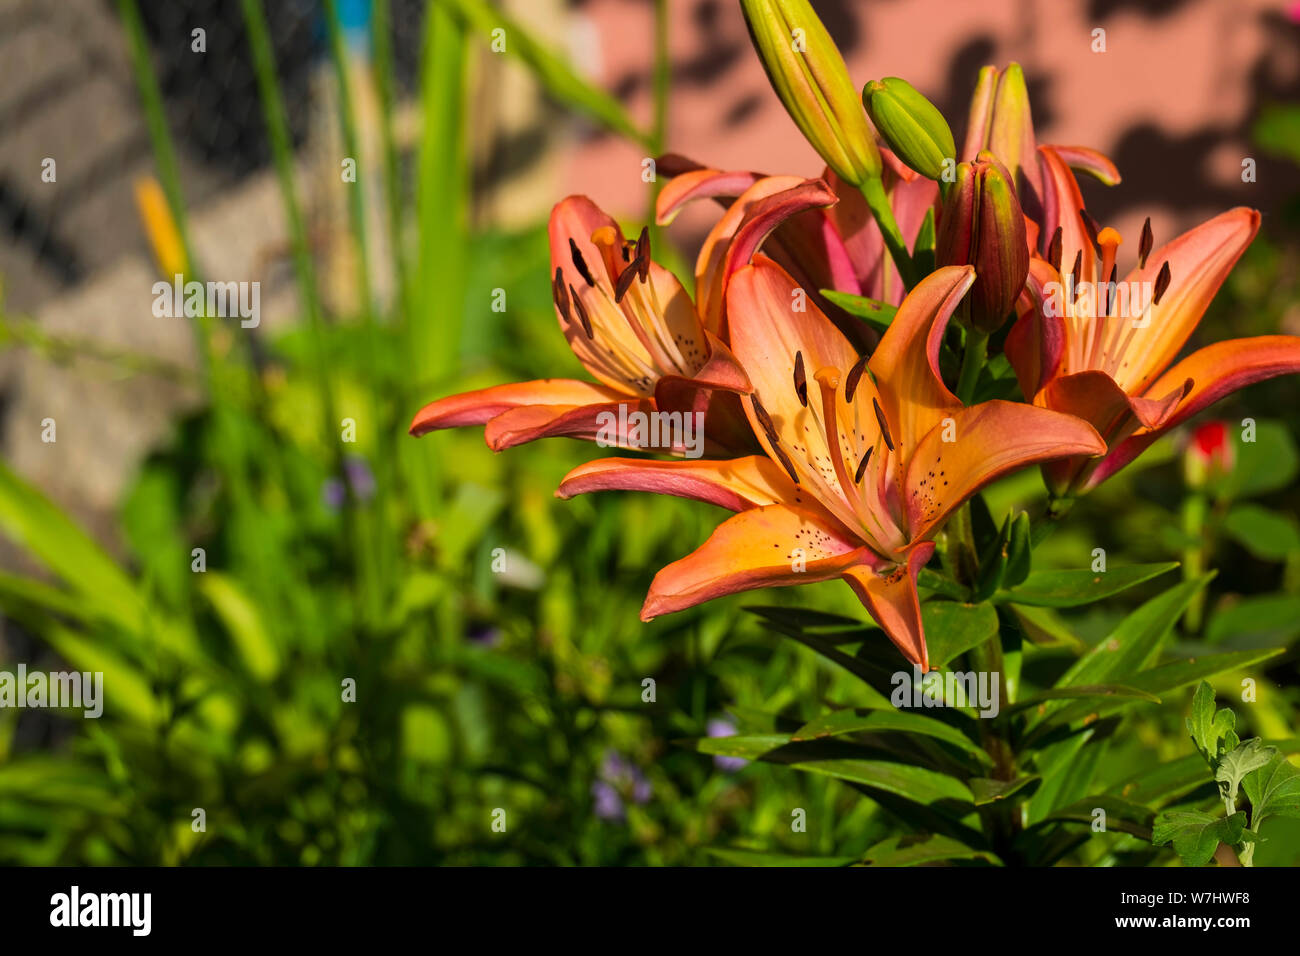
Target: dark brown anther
862	466
643	253
1162	284
785	461
1077	271
561	295
764	419
1144	245
800	379
854	376
624	281
1054	250
884	425
1090	226
581	309
580	263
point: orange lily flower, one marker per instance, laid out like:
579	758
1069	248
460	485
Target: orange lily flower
1104	351
864	460
633	327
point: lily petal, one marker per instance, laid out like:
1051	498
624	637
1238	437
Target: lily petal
991	439
1199	261
589	422
757	548
1062	204
906	363
1215	371
892	600
479	407
1090	161
736	484
700	184
1036	341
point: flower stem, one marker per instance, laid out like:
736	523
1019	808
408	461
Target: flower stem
971	364
873	191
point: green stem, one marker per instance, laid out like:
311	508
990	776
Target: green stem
971	364
873	191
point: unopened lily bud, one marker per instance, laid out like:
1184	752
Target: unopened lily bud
982	225
810	77
912	126
1209	455
1000	121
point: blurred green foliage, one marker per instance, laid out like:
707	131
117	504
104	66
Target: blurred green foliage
328	562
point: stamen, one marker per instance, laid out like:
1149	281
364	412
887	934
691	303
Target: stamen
580	263
884	425
624	281
561	295
643	253
862	466
1145	243
800	379
1090	226
785	462
1162	284
854	376
1077	271
1054	250
764	419
582	313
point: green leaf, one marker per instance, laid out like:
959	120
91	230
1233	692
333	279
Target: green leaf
1168	677
749	747
1269	463
1076	588
1197	835
1136	640
885	721
1269	620
1019	553
915	850
1273	791
1207	727
952	628
1043	626
877	314
243	622
1250	755
1268	535
758	858
1121	815
916	784
988	790
1086	691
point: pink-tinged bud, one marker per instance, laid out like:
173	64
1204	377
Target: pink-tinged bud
982	225
1000	122
1209	454
809	75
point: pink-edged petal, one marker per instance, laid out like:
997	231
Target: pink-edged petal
736	484
1097	399
599	423
1199	262
700	184
890	596
1062	205
1036	342
1090	161
757	548
1215	371
987	441
906	363
479	407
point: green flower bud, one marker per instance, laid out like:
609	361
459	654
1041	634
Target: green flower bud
982	225
810	77
911	125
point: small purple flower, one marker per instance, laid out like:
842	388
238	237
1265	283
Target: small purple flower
333	494
725	728
360	478
609	805
484	635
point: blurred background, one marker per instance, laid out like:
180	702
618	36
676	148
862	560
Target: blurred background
223	153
